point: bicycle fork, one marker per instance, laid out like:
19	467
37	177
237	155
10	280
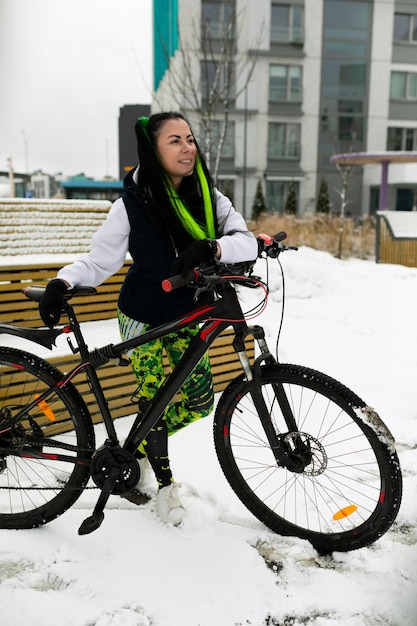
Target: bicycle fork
288	448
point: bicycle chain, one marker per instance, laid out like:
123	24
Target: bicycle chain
61	446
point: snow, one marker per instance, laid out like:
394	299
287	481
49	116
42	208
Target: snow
403	224
352	319
29	226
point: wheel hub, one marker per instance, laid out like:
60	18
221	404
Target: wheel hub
308	451
113	460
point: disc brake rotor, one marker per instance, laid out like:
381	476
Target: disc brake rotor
318	463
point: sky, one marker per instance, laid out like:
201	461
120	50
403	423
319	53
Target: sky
66	68
354	320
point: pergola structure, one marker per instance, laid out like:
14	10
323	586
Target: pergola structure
384	158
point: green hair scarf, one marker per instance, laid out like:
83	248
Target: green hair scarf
181	211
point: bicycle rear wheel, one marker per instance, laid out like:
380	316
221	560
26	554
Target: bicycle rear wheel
44	455
350	492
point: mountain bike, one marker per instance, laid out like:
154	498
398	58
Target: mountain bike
303	453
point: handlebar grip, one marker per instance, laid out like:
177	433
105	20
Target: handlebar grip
281	235
271	245
174	282
268	240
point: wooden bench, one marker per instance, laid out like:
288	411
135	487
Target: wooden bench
118	382
16	309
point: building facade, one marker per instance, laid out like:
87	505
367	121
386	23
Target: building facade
304	80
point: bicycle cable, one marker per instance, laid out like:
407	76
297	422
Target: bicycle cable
256	310
282	308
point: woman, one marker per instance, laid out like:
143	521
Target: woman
170	218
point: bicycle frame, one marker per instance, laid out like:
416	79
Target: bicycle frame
214	319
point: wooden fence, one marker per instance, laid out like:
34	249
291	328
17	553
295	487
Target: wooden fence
396	237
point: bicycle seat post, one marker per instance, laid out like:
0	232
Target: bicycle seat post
82	347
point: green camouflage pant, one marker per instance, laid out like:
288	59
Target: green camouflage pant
197	393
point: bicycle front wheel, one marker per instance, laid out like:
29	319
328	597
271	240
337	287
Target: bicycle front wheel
45	444
350	492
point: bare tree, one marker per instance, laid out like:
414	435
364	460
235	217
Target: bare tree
345	169
342	148
207	78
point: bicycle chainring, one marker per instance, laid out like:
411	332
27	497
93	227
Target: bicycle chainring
106	459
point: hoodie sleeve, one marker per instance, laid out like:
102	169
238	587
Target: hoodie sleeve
109	247
236	241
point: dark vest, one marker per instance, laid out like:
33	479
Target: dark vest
142	297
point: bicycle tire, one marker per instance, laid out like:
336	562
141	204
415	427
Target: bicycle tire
347	497
35	491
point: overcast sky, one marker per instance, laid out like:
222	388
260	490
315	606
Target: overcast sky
66	67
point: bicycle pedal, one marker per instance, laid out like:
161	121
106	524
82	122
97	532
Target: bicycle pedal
136	497
90	524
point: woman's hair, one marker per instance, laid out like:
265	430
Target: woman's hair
147	130
153	180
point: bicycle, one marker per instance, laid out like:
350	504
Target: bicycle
304	454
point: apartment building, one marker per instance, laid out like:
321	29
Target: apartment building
311	78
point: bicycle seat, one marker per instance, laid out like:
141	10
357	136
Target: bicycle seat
35	292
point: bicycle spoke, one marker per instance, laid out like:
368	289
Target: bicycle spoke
44	440
343	486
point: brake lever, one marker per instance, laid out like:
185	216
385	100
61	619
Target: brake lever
202	285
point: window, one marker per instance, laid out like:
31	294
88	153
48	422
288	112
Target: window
277	193
284	83
346	20
216	19
283	141
217	81
405	200
403	86
210	144
286	24
347	28
345	49
405	28
344	79
350	120
402	139
346	121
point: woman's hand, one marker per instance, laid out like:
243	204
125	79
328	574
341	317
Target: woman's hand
51	302
198	251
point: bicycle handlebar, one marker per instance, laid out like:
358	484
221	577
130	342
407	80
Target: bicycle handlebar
174	282
203	278
206	277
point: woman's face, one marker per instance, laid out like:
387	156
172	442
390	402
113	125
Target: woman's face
176	150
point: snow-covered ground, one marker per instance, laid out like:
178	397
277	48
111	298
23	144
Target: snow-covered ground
354	320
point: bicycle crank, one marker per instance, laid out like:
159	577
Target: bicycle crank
116	462
114	471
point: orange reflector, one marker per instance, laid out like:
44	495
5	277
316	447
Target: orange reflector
46	409
348	510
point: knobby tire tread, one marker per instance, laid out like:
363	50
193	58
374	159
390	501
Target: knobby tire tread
325	542
78	414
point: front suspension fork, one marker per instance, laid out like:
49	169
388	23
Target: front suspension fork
294	459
